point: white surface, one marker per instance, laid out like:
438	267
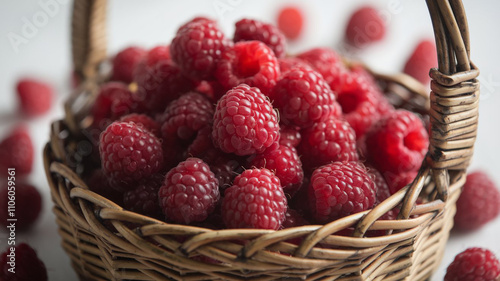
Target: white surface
47	55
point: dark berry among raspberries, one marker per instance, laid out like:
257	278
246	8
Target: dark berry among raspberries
35	97
474	264
28	204
340	189
291	22
129	154
479	202
143	199
16	151
256	200
290	136
99	183
397	143
197	48
303	98
28	266
244	122
143	120
293	219
364	27
248	29
248	62
125	62
189	193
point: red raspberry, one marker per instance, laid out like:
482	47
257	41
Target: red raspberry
479	202
327	63
125	62
303	98
129	154
364	27
290	136
143	199
293	219
28	204
99	183
340	189
285	163
35	97
423	58
161	83
190	192
400	180
152	57
326	142
291	22
16	151
474	264
248	29
197	47
28	266
397	143
383	192
244	122
143	120
248	62
225	170
288	63
256	200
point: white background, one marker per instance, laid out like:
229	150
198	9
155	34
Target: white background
148	23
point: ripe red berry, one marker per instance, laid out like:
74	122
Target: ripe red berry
291	22
244	122
303	98
397	143
290	136
285	163
189	193
28	266
248	62
143	120
474	264
152	57
16	151
256	200
288	63
327	63
197	48
329	141
423	58
143	199
99	183
125	62
479	202
129	154
248	29
28	204
399	180
383	192
340	189
364	27
35	97
293	219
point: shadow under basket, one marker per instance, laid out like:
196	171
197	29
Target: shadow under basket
106	242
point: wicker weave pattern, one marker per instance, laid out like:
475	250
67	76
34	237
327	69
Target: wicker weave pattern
106	242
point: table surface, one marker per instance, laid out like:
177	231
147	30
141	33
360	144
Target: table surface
45	53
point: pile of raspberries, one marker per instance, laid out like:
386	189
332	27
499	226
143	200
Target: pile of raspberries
223	133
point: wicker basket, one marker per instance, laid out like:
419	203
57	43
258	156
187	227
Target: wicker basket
106	242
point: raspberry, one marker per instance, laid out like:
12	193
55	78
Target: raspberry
303	98
423	58
256	200
479	202
125	62
327	63
35	97
143	199
113	101
340	189
286	165
364	27
197	47
28	266
161	83
244	122
326	142
16	151
290	136
400	180
290	22
99	183
190	192
143	121
28	204
225	170
473	264
248	62
288	63
129	154
212	89
383	192
151	58
248	29
397	143
293	219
